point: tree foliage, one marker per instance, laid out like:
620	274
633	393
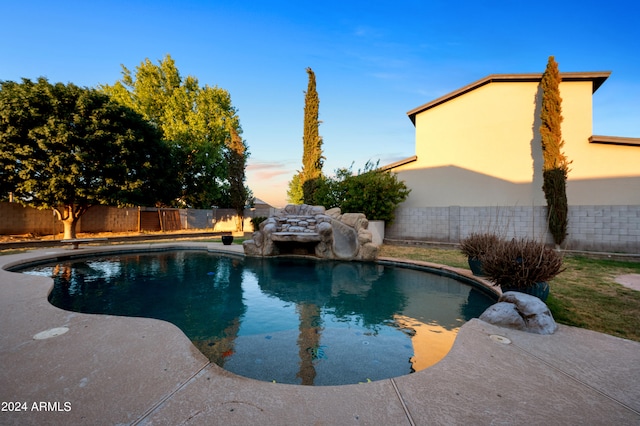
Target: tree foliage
199	122
236	158
294	192
67	148
312	159
556	165
371	191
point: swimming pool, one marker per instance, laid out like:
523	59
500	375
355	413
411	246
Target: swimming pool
288	320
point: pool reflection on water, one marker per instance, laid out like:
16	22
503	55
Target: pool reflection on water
288	320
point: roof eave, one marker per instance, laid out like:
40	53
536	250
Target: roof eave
614	140
398	163
597	77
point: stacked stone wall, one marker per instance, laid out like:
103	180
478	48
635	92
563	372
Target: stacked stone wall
312	230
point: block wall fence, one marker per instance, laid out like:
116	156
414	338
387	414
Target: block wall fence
590	228
16	219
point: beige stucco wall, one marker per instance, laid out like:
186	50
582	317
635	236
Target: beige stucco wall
483	149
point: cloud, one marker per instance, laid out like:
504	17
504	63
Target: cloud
268	170
386	76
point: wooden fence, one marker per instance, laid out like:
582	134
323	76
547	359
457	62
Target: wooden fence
16	219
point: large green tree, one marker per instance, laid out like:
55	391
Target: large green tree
312	159
236	157
555	165
197	120
67	148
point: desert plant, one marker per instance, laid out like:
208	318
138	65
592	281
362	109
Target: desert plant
521	263
256	221
476	245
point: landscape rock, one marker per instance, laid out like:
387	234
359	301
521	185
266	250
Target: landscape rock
310	230
504	314
345	240
351	219
364	236
521	311
334	213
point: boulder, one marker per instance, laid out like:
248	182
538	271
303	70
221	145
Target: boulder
505	315
331	234
364	236
352	219
345	240
334	213
521	311
368	251
250	248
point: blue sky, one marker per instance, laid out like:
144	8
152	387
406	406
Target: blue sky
374	61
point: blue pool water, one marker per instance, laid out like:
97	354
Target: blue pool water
288	320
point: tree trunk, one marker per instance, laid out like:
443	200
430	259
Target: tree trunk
69	216
239	222
69	228
308	341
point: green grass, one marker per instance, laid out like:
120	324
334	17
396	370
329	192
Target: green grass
448	257
584	295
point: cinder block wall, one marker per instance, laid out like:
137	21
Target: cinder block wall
224	220
196	219
592	228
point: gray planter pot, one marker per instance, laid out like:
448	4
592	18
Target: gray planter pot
476	266
540	290
377	231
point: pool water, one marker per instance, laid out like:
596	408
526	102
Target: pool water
286	320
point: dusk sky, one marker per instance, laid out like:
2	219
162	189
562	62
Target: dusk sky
373	60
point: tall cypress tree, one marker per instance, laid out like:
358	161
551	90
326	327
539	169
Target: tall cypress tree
556	166
312	159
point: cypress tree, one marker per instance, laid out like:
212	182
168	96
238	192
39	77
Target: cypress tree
556	166
312	159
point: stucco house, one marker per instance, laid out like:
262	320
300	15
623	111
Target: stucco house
478	167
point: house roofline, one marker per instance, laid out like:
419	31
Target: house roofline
614	140
596	77
398	163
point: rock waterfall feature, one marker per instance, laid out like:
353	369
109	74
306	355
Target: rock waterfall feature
312	230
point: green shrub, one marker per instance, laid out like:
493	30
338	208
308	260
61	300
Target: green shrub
256	221
371	191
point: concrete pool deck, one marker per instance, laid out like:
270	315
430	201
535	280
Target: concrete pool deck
117	370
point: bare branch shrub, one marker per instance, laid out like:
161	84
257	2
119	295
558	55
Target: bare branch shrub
521	263
476	245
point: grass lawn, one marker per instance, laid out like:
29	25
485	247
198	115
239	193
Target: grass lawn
584	295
